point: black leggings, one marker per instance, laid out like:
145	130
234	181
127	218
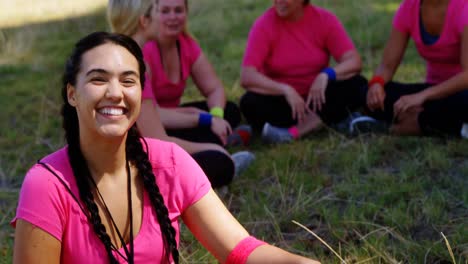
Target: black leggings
342	97
444	116
217	166
204	134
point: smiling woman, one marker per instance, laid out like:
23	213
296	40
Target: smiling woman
111	195
107	92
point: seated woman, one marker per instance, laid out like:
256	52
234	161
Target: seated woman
440	104
291	89
111	196
173	57
137	19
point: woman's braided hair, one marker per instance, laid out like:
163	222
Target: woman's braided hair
134	148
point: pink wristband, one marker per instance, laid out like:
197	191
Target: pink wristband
294	132
241	252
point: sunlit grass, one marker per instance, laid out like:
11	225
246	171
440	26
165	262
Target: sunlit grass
22	12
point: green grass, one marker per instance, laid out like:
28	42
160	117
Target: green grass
373	199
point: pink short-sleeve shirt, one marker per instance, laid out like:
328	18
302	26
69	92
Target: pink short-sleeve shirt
296	52
46	203
158	87
443	57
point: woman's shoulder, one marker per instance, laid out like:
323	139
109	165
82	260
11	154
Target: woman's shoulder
58	158
52	168
410	6
150	49
191	50
460	8
312	11
161	153
185	39
268	17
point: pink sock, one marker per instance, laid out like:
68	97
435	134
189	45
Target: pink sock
294	132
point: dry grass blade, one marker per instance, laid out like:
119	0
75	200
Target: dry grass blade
321	240
449	247
383	255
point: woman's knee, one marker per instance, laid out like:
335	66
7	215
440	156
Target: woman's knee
218	167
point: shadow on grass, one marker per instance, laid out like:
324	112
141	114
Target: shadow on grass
31	64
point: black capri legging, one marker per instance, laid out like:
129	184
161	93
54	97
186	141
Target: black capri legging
443	116
342	97
218	167
204	134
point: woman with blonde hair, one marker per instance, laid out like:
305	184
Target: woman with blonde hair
174	56
137	19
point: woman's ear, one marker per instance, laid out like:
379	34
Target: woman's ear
144	21
71	93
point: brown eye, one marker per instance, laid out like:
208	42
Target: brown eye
98	80
129	82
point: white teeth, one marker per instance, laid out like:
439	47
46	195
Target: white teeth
111	111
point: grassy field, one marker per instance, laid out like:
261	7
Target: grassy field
373	199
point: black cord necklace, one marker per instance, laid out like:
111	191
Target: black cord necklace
129	252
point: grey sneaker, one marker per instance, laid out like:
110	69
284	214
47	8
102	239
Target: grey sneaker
464	130
242	161
272	134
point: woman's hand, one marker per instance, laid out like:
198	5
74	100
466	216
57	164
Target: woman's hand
375	97
317	92
295	101
221	128
412	102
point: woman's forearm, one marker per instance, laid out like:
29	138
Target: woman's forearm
217	97
274	255
173	119
393	53
254	81
349	65
451	86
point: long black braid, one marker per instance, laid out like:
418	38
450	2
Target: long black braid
141	161
82	174
135	152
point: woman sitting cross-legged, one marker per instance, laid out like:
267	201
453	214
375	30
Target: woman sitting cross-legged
112	196
174	56
440	104
291	89
138	19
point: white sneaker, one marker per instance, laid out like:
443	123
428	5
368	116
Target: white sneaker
366	124
464	131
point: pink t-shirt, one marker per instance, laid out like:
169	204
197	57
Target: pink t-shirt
443	57
159	87
296	52
46	203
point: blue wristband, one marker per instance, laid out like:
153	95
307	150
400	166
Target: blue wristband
330	72
204	120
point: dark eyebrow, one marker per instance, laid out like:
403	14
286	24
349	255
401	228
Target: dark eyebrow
96	71
130	73
102	71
